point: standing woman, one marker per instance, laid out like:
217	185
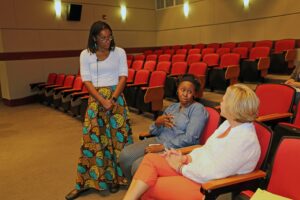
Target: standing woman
106	127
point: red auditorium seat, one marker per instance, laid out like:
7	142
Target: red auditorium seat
178	58
130	91
137	65
77	98
139	57
178	69
221	51
148	52
181	51
129	63
164	57
229	45
192	58
207	51
200	46
150	98
129	57
194	51
215	46
264	43
256	67
158	52
247	44
164	66
226	73
199	70
283	177
276	102
59	81
151	57
169	51
175	47
50	80
187	46
284	56
131	74
64	91
212	59
150	65
243	51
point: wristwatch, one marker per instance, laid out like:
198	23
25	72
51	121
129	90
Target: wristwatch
114	99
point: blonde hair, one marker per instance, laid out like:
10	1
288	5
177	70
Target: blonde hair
241	103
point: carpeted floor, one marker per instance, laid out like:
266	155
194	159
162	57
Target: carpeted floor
39	148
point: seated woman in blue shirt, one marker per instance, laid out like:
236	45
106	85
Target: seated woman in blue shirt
180	125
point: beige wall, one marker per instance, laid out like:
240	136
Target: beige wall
226	20
31	26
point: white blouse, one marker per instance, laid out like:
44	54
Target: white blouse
106	72
236	153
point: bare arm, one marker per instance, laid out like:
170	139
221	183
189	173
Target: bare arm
120	87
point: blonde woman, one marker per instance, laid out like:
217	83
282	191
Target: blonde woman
232	149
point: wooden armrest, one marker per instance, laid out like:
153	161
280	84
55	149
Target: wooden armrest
84	97
144	135
263	63
218	108
186	150
138	84
273	116
219	183
232	71
155	95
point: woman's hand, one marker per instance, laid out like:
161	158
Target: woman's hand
175	161
290	81
155	148
165	120
107	104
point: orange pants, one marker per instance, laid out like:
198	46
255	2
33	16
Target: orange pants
164	182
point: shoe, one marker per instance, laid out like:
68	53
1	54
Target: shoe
113	188
75	193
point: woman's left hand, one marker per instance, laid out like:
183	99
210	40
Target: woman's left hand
174	160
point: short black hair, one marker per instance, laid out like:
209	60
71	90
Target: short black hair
191	78
96	28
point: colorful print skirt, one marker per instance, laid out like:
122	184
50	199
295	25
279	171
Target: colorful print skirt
105	133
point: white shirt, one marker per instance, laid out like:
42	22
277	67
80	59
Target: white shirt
236	153
106	72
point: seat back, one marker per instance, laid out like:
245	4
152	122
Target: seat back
285	174
129	62
77	85
169	51
158	78
229	45
264	136
142	76
69	81
178	58
139	57
158	52
221	51
230	59
192	58
199	46
187	46
211	59
164	57
131	73
60	79
243	51
181	51
129	57
259	52
247	44
151	57
264	43
164	66
283	45
51	78
274	98
84	89
212	124
175	47
179	68
137	65
150	65
198	69
215	46
207	51
194	51
148	52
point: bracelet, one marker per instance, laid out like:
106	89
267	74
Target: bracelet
179	169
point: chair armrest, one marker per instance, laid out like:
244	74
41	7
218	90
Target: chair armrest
84	97
186	150
32	85
219	183
290	55
139	84
69	91
58	89
155	95
52	86
273	116
232	71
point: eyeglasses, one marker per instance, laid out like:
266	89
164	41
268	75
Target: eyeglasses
104	39
183	90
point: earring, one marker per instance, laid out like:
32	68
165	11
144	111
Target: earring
96	45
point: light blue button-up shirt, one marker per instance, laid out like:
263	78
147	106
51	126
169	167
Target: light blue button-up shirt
188	126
